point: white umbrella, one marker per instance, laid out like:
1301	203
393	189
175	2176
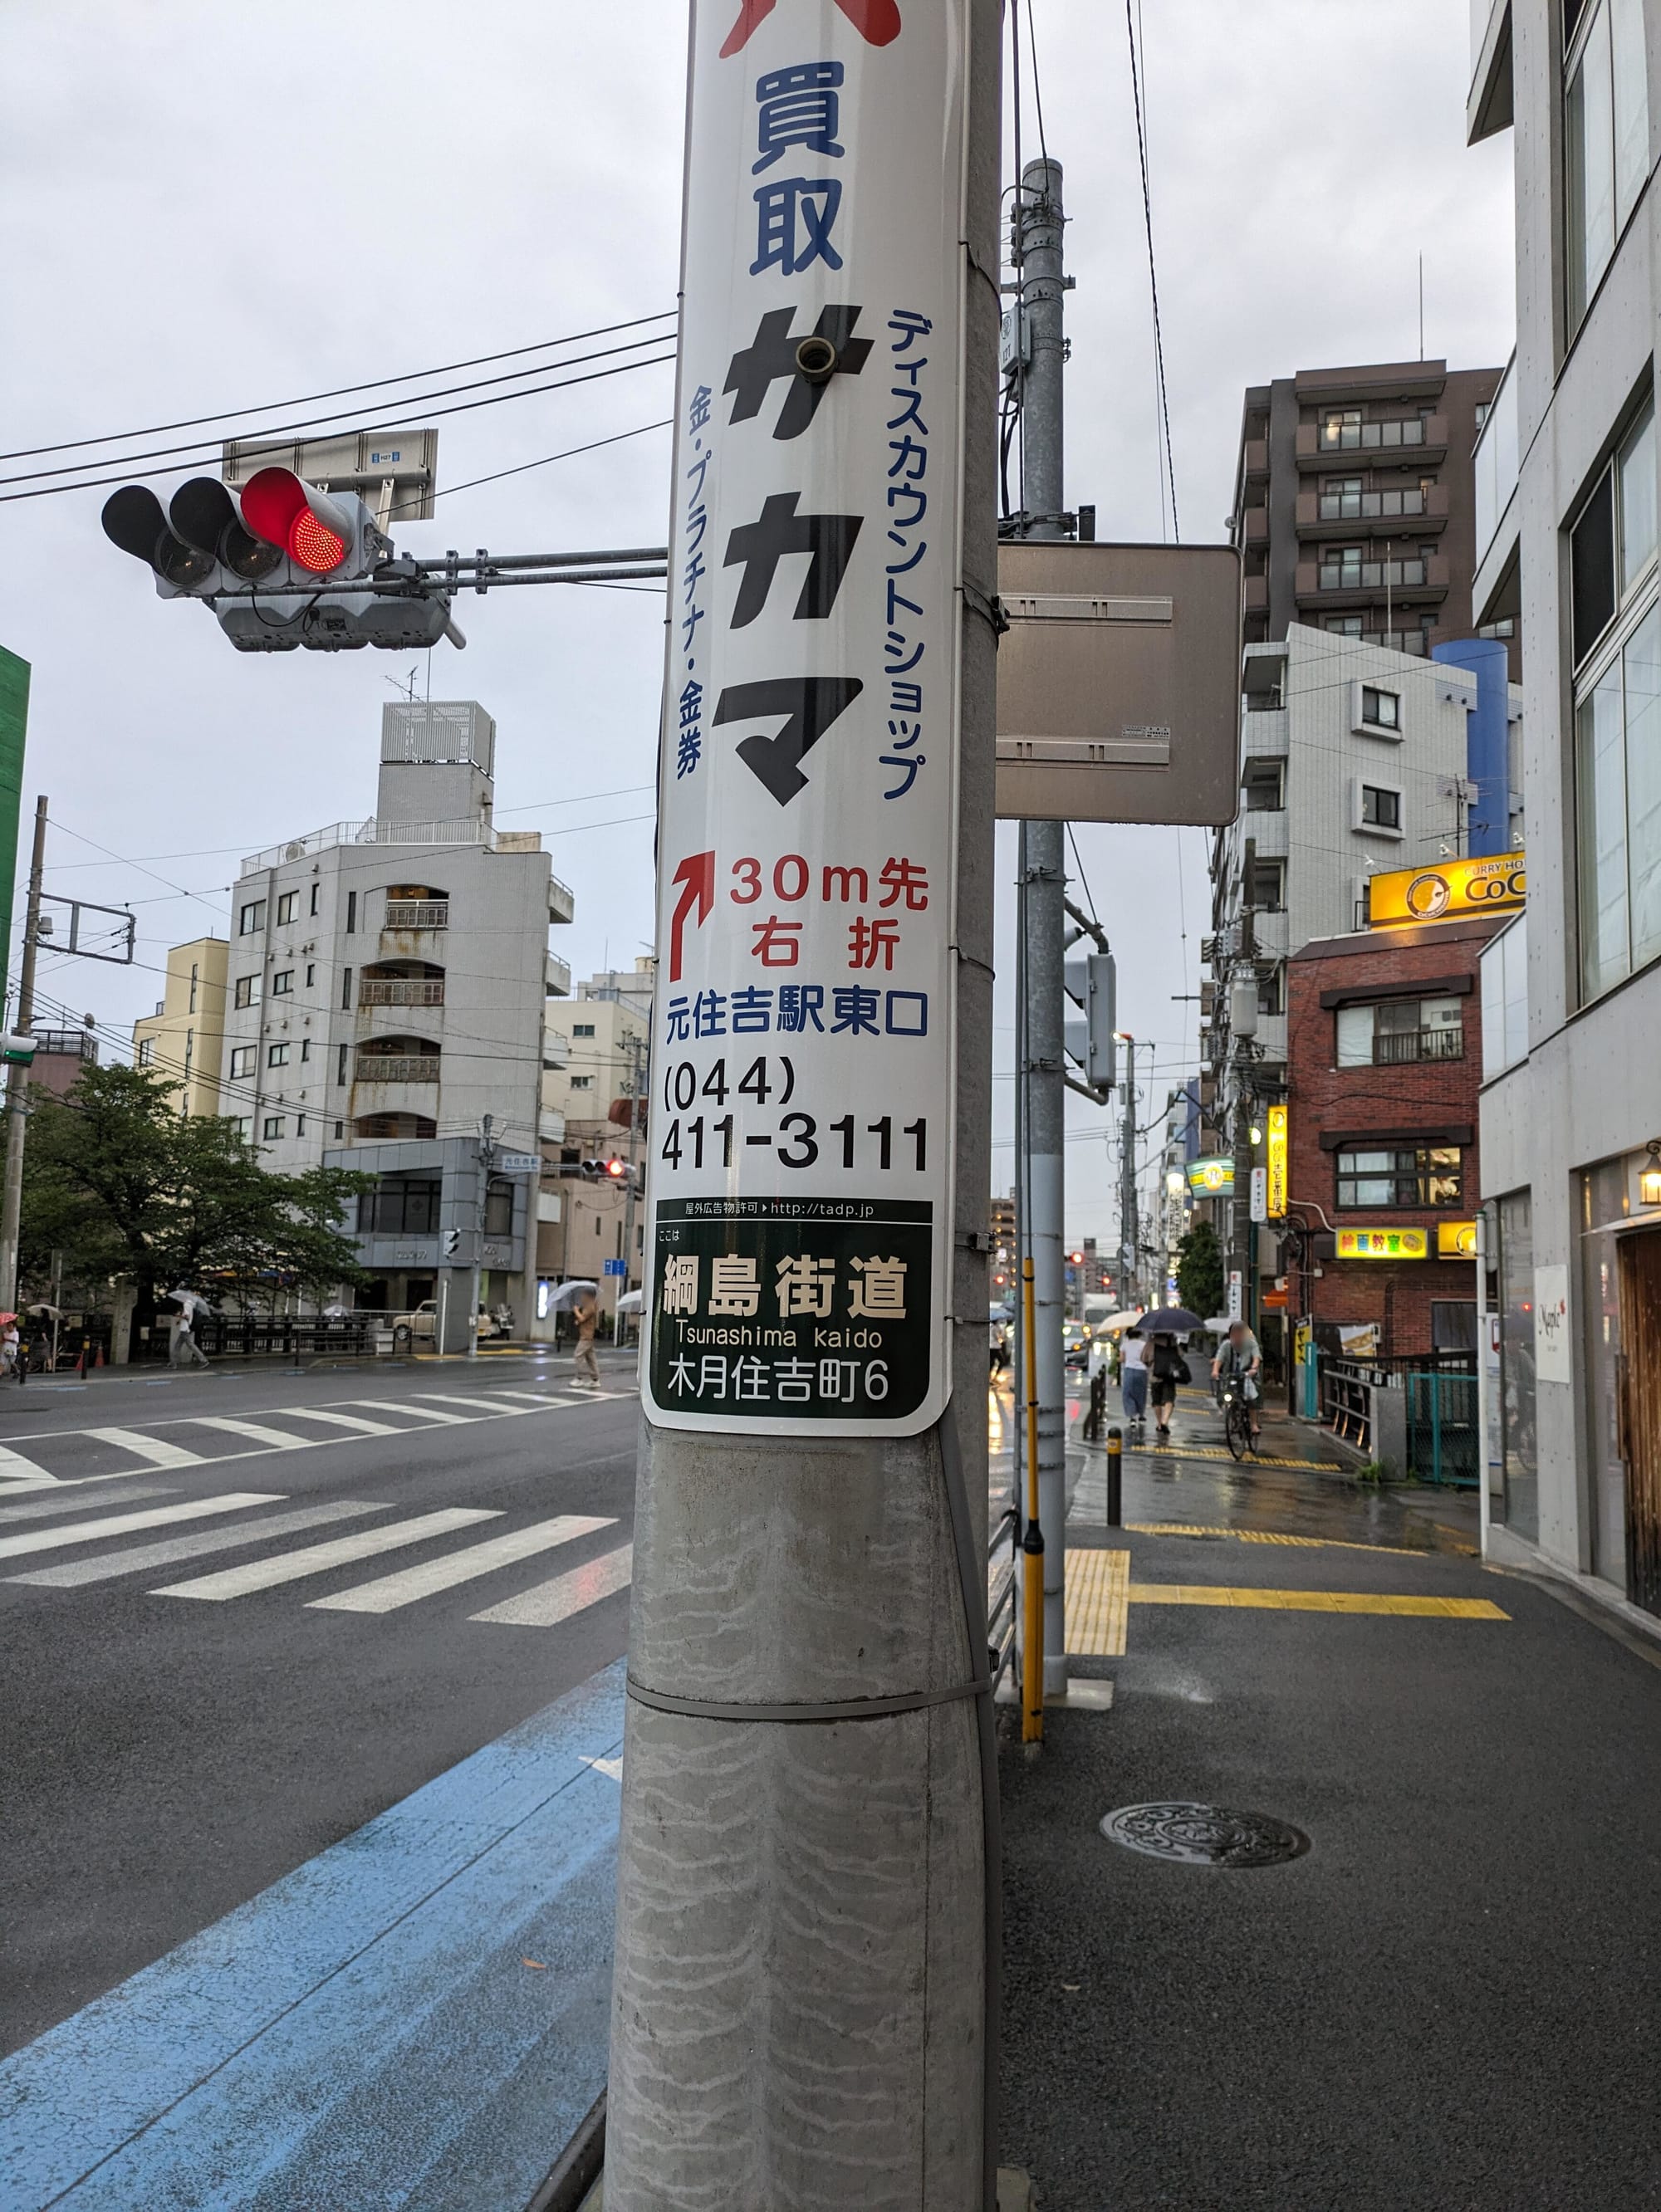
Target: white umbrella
631	1302
569	1294
1115	1322
1220	1324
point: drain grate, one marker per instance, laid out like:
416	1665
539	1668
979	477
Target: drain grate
1205	1835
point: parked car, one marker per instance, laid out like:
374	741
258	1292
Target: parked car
422	1325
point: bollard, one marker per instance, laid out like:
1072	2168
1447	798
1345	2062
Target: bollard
1114	1478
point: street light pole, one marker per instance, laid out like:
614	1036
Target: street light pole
487	1149
17	1107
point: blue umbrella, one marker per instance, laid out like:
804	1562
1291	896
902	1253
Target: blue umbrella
1169	1320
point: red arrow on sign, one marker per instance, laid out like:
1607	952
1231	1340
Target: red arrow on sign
877	22
697	877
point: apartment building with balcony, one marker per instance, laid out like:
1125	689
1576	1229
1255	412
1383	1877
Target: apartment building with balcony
1571	1106
387	983
605	1062
1354	502
184	1040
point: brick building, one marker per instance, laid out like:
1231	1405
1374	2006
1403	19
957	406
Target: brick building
1384	1062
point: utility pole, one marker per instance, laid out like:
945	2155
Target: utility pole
1129	1234
17	1106
1041	919
804	2009
487	1152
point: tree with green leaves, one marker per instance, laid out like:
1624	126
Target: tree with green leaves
118	1181
1200	1271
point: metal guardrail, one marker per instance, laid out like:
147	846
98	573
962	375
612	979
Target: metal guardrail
401	990
417	913
397	1067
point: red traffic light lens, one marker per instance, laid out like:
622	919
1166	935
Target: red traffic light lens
616	1167
309	526
313	544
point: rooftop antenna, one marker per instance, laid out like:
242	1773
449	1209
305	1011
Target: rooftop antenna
409	690
1422	306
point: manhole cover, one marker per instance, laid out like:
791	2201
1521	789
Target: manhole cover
1205	1835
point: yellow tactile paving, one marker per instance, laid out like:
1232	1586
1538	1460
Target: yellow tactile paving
1096	1585
1177	1450
1297	1601
1270	1536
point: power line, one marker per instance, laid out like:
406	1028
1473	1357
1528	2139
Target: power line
337	391
1152	273
205	456
593	445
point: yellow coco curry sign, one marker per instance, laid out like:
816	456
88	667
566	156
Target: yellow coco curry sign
1275	1161
1384	1244
1456	1240
1497	885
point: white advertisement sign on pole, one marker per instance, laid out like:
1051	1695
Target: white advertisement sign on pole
803	1050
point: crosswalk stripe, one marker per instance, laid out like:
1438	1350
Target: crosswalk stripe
446	1398
550	1602
55	1502
535	1397
405	1405
147	1447
141	1558
279	1439
118	1524
388	1592
345	1421
16	1463
317	1558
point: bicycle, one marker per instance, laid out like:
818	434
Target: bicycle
1236	1417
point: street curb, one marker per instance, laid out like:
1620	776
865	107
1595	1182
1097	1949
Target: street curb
578	2165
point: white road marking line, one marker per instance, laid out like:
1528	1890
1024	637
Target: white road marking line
344	1421
550	1602
386	1594
141	1558
56	1503
444	1398
15	1465
118	1524
317	1558
152	1448
274	1439
536	1397
398	1406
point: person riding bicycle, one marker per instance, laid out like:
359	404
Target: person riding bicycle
1239	1358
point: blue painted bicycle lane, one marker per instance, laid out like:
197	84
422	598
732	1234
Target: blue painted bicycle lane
414	2021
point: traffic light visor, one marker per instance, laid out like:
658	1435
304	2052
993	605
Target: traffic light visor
133	519
205	515
311	528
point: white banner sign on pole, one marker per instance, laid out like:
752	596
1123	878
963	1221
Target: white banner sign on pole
803	1049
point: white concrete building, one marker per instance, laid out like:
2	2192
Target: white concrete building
389	983
1566	539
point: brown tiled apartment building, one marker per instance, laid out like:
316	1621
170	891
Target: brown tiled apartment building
1354	502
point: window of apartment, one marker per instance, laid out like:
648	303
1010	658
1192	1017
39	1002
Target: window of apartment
242	1058
1617	714
351	912
499	1208
317	895
304	1048
583	1029
1264	784
346	988
273	1125
300	1125
1344	625
283	982
1268	886
311	974
1606	149
1379	808
1398	1176
1383	709
582	1083
276	1055
341	1053
243	1125
247	991
1341	568
252	919
340	1131
1391	1032
400	1205
1271	990
195	973
1341	499
147	1052
286	905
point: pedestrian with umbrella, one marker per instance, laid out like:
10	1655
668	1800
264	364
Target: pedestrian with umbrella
1163	1325
581	1297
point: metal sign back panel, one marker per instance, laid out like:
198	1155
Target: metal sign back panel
803	1055
1119	683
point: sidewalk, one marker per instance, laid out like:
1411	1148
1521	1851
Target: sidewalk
1447	2000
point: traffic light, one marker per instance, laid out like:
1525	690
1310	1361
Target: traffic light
1092	983
270	562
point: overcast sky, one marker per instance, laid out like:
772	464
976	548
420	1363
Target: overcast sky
208	208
